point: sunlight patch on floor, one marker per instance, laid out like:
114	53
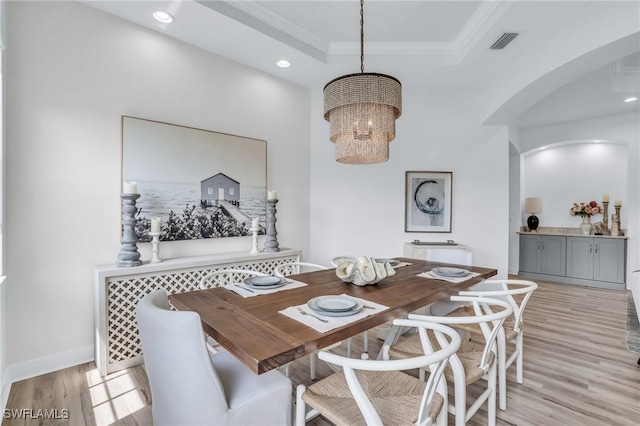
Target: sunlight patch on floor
113	397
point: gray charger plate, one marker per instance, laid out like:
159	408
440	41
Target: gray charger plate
312	303
449	272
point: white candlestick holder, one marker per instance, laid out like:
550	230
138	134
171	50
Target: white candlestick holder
255	250
155	247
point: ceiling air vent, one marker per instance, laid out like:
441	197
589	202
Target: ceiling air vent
503	41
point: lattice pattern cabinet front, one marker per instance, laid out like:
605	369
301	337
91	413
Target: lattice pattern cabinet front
118	290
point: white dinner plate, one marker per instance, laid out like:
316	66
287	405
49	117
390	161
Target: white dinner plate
392	262
336	303
446	271
267	281
313	304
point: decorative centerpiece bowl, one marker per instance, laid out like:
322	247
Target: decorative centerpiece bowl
363	271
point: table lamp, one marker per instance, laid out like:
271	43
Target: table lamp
533	206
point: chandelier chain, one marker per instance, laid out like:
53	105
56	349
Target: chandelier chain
362	36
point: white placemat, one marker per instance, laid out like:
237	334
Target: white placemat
246	291
332	322
428	274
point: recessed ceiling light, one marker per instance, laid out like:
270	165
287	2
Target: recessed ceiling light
543	147
283	63
631	99
162	16
597	141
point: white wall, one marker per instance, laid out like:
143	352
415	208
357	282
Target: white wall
359	210
4	382
514	206
572	173
72	72
588	41
622	128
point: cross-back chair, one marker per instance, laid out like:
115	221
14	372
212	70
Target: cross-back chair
377	392
513	326
226	277
472	362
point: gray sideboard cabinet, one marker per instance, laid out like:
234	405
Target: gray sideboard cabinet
599	259
594	261
543	254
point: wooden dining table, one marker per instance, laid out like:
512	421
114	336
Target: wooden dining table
255	332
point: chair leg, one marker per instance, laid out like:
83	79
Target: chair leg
349	347
460	392
520	358
442	419
491	400
312	365
300	406
365	343
502	373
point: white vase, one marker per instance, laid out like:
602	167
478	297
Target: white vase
586	225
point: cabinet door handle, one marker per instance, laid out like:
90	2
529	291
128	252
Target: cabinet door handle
596	249
542	246
590	248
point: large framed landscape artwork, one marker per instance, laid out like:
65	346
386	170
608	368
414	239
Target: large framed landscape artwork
428	201
199	183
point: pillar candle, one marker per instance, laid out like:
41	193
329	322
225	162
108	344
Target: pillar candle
255	224
618	203
129	187
605	198
155	224
272	194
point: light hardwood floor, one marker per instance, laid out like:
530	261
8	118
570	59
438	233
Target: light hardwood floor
577	372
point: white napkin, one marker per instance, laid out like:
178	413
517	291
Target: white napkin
428	274
246	291
332	322
401	264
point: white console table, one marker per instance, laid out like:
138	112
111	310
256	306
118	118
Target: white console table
451	253
118	290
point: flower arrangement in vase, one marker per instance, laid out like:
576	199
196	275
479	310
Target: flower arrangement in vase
585	210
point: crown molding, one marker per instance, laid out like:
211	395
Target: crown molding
261	19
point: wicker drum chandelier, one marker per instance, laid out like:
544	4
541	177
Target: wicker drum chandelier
362	110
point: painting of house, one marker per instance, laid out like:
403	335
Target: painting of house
219	187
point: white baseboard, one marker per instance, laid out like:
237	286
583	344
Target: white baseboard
4	391
37	367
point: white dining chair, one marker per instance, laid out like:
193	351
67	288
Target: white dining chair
453	256
513	326
190	386
223	278
365	335
377	392
339	259
291	268
472	362
226	277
